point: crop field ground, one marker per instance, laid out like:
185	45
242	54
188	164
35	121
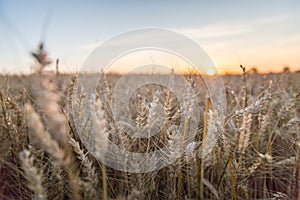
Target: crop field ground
47	150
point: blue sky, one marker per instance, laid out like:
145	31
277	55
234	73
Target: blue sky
262	33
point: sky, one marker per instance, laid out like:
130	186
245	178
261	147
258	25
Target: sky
260	33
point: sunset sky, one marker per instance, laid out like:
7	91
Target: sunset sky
260	33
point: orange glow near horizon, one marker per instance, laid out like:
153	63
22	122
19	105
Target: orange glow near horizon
150	61
227	64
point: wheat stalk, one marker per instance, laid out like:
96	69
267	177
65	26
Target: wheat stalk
33	175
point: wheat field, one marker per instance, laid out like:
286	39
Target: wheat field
45	152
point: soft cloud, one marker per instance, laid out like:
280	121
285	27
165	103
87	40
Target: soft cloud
215	31
227	29
274	20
